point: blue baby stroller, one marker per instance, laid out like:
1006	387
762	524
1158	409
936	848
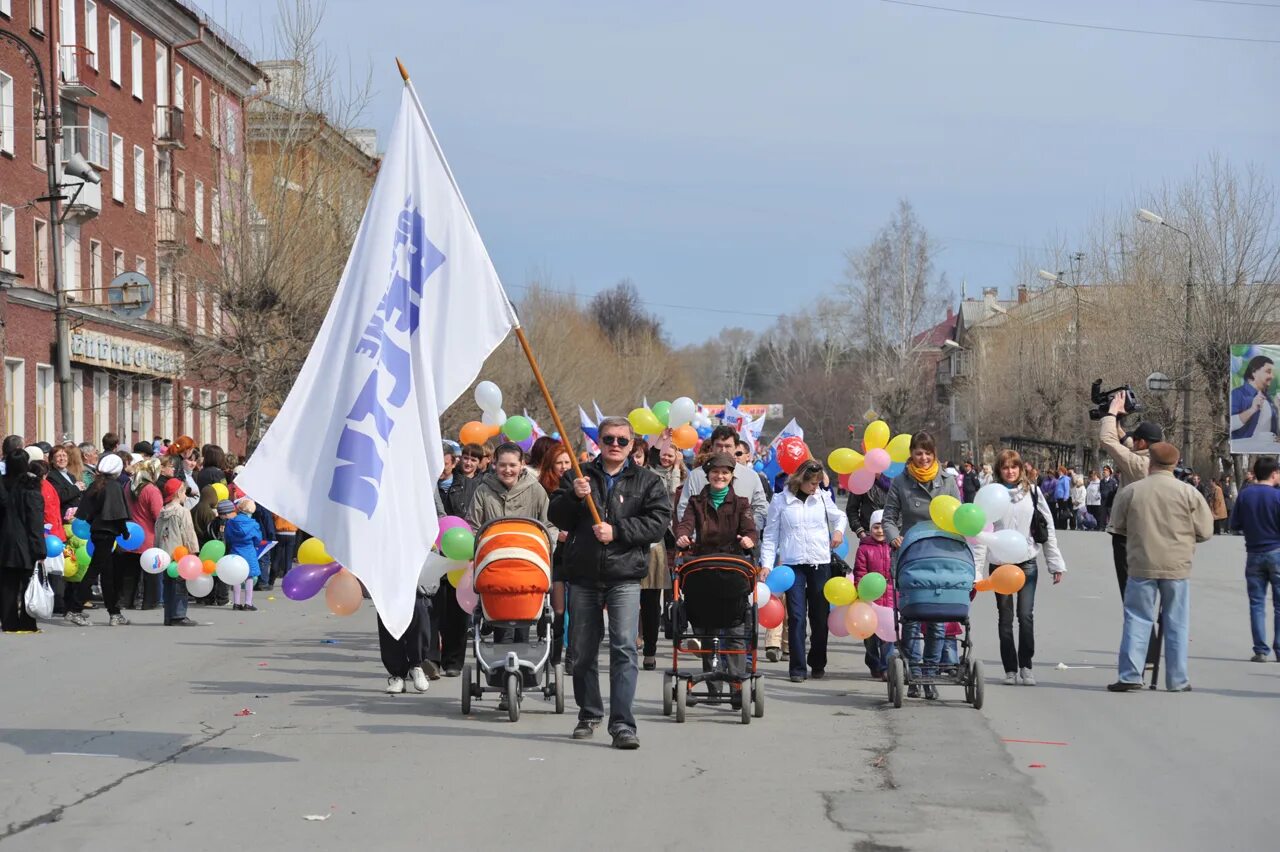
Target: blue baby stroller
933	578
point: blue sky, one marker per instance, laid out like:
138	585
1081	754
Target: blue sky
727	154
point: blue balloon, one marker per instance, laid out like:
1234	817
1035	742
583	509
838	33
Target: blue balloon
80	528
780	579
53	546
758	467
704	432
895	469
88	548
843	550
133	537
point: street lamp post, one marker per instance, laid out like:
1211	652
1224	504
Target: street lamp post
1058	281
1154	219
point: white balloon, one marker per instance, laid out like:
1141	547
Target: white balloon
762	594
682	411
232	569
1008	547
493	418
488	396
437	565
200	586
994	500
155	560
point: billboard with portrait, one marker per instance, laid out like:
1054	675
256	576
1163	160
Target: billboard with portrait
1254	401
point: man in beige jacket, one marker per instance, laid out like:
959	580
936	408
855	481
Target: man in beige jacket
1162	519
1131	464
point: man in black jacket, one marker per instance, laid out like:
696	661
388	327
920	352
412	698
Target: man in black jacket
603	565
861	506
456	495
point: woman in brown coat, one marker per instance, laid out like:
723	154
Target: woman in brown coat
1218	506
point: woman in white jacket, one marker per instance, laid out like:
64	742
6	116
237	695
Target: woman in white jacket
1026	500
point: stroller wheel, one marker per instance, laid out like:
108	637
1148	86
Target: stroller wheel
897	680
466	689
746	701
558	681
666	693
975	677
513	697
682	692
757	698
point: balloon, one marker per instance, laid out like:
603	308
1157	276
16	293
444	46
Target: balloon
89	548
871	587
861	480
435	567
473	432
190	567
644	422
792	453
155	560
83	556
53	546
763	593
994	500
517	428
344	593
771	613
212	550
1008	547
682	411
172	570
449	522
942	510
662	411
527	444
220	489
704	432
780	579
467	582
842	549
840	591
684	437
179	552
306	581
1007	579
844	460
232	569
983	585
133	537
757	466
877	461
884	623
969	519
208	566
455	576
312	552
488	396
458	544
895	469
494	420
861	619
80	528
835	621
876	436
467	599
200	586
899	448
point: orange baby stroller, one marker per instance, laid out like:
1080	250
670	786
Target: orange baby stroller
512	581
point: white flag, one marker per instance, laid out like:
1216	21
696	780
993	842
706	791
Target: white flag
354	455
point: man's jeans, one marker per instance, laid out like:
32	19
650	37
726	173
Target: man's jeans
586	624
1261	569
1140	616
175	598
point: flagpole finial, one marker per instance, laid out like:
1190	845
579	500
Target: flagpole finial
404	72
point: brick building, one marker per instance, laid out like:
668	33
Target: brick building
152	94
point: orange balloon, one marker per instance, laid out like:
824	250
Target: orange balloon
861	619
209	566
1007	579
179	552
684	437
983	585
343	593
474	432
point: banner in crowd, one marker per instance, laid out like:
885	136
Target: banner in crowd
1254	402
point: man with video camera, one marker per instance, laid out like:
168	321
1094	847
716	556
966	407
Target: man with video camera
1132	463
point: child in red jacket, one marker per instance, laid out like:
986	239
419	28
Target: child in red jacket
874	555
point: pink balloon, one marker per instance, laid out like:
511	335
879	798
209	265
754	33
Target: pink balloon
467	599
861	480
844	480
467	581
975	540
190	567
877	460
447	523
835	621
884	623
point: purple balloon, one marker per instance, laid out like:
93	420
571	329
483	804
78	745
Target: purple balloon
306	581
526	444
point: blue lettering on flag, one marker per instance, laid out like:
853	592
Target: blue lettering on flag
385	343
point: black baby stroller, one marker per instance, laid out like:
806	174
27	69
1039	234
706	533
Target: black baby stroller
933	578
713	601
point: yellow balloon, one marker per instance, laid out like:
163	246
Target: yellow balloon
899	448
877	435
942	509
220	489
645	422
844	460
312	552
840	591
455	576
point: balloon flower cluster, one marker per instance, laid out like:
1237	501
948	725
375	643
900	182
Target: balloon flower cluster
316	570
78	550
451	557
854	608
880	454
494	421
688	425
976	521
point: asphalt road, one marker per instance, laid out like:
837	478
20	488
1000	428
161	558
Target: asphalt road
114	738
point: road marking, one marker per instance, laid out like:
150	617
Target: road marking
80	754
1032	742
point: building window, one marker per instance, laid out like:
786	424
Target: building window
117	262
230	130
39	155
99	133
166	410
179	87
180	191
36	15
15	396
206	416
91	33
188	413
164	180
146	414
215	109
139	179
70	257
162	306
44	404
199	211
135	47
202	313
6	114
124	411
162	75
180	299
77	405
8	239
197	101
101	405
117	167
95	271
215	217
40	251
140	265
113	48
224	421
6	8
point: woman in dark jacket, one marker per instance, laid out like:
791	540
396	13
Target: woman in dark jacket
21	540
212	458
861	506
103	507
209	528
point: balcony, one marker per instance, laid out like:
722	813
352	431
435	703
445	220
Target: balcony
171	229
943	373
84	200
76	71
171	129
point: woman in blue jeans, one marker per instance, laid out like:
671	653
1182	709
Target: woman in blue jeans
802	527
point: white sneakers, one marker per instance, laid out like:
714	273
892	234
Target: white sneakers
1010	678
395	685
419	678
1028	679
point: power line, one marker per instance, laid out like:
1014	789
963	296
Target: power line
649	304
1241	3
1081	26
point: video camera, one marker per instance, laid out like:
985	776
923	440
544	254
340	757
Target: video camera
1102	399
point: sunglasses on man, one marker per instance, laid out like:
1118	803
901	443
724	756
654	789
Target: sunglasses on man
615	440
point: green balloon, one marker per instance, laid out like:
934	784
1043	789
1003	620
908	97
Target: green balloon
517	428
213	551
871	587
458	544
969	519
662	411
172	570
82	555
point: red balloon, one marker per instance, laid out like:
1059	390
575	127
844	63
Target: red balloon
792	453
771	614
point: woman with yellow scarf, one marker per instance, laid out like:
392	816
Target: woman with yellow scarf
906	505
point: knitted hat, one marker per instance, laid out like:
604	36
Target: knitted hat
877	517
172	487
226	507
110	465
